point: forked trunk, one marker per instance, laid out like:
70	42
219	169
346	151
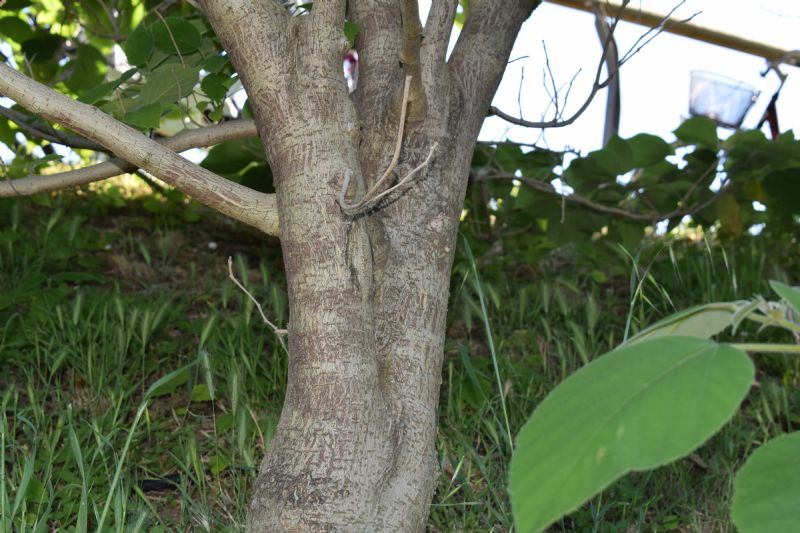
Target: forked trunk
368	277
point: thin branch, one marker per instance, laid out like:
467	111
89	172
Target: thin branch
49	134
546	188
392	164
278	331
372	197
184	140
398	144
237	201
403	181
171	37
438	28
597	85
155	187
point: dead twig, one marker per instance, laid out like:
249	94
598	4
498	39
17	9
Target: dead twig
278	331
372	196
558	121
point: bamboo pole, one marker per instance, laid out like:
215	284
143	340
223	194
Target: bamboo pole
692	31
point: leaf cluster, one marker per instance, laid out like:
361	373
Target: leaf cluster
535	201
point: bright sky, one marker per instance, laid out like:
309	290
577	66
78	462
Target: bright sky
655	83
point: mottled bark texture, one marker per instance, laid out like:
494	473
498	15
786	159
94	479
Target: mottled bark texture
354	449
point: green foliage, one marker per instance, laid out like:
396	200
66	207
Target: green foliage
168	49
351	30
97	311
110	378
174	35
700	131
139	45
616	195
118	301
645	404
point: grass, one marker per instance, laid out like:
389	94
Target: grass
126	355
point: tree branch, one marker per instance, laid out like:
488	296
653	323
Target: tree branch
232	199
654	217
184	140
438	28
410	57
48	134
597	85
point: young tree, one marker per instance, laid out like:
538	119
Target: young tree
369	192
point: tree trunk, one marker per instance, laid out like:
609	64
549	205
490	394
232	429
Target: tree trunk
368	289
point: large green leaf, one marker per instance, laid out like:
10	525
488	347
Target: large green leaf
216	86
145	117
790	294
139	46
766	496
783	189
232	157
698	130
648	149
636	408
102	90
176	37
42	48
167	85
702	321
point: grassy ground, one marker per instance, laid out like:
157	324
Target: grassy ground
102	304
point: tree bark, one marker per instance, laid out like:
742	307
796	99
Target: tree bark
355	446
367	287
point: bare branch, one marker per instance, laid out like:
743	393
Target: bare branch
232	199
47	132
480	55
280	332
653	217
372	196
597	85
184	140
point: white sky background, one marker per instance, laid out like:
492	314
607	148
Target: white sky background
655	83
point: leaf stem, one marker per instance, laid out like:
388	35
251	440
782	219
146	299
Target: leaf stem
768	348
